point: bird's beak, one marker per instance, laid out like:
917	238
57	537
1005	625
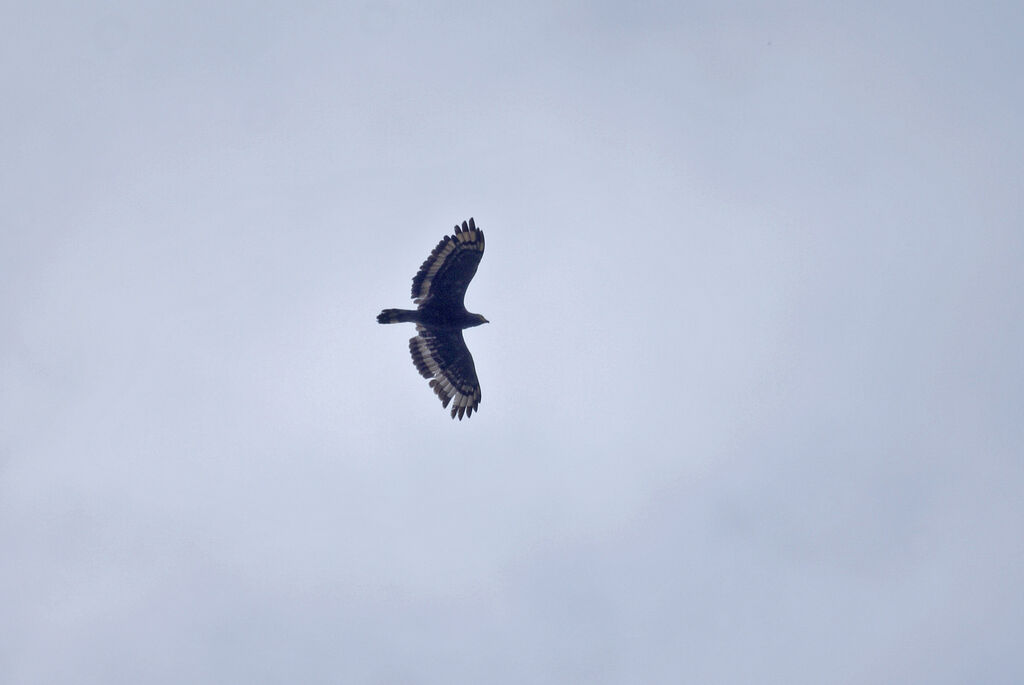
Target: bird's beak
486	321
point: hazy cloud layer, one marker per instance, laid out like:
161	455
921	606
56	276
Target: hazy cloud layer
751	390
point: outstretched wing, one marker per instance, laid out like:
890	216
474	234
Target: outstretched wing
446	273
442	356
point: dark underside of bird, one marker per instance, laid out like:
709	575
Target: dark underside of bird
438	350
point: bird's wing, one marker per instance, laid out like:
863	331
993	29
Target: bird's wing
446	273
442	356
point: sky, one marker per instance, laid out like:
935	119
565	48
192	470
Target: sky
752	386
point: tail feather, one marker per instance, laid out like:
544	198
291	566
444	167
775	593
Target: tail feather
398	316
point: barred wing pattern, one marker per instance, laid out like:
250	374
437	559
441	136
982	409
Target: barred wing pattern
446	273
442	356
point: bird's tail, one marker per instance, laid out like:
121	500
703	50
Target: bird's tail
397	316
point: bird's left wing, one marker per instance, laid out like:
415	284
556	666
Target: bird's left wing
442	356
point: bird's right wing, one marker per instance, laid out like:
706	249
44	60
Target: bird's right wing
446	273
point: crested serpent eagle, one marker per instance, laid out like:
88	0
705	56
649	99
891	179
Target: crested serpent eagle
439	288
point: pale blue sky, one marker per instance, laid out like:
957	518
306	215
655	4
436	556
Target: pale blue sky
751	391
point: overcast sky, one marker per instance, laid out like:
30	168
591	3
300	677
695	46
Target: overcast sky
752	386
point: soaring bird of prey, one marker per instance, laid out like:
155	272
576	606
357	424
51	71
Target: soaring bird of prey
439	289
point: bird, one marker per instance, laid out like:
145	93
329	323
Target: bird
438	350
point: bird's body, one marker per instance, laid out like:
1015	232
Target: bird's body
439	289
435	316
